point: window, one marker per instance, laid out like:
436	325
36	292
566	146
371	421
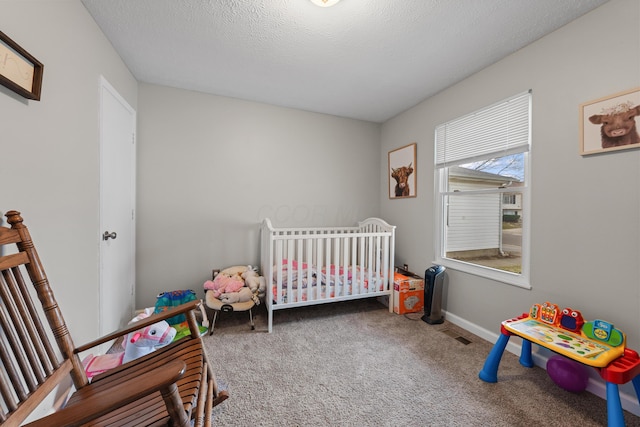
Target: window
482	191
508	199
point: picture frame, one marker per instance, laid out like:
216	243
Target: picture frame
402	172
609	123
19	70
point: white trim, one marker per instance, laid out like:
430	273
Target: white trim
514	279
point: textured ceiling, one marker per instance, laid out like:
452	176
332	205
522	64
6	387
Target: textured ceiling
362	59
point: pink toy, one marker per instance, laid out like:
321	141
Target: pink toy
137	344
144	341
224	284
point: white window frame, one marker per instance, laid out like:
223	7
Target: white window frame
441	192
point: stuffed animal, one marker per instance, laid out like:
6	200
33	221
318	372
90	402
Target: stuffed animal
224	283
229	285
251	279
243	295
255	282
146	340
235	270
262	289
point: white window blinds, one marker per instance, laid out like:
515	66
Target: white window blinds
498	130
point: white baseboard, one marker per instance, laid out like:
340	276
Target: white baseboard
596	386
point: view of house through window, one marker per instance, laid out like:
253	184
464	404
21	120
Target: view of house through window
484	212
481	164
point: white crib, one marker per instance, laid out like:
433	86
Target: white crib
317	265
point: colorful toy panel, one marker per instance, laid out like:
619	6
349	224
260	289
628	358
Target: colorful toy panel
603	331
549	313
571	320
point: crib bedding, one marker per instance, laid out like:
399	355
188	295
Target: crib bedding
333	281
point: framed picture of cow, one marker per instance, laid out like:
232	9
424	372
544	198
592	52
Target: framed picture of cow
609	123
402	172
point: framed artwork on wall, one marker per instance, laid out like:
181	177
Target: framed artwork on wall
402	172
609	123
19	71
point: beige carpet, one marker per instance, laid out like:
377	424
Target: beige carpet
355	364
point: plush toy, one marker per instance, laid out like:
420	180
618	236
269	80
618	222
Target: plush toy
136	344
146	340
251	280
262	289
235	270
224	283
255	282
237	284
243	295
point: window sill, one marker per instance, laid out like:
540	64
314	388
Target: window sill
513	279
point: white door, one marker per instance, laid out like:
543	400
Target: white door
117	209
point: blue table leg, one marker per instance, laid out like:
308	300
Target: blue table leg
489	372
525	355
636	385
614	407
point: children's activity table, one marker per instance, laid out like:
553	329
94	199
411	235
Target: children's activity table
596	343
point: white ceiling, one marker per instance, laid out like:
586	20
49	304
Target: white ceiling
362	59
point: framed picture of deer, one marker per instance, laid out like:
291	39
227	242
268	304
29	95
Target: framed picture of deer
609	123
402	172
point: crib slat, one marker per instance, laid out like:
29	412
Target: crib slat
327	269
278	263
356	285
290	270
337	251
308	259
344	265
318	263
361	257
295	245
370	262
378	259
385	267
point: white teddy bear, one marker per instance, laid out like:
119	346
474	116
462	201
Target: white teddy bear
255	282
243	295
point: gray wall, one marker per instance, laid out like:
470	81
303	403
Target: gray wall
50	160
211	168
585	217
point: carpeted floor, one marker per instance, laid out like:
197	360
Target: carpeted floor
355	364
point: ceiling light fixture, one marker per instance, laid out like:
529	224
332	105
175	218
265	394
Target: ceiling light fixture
324	3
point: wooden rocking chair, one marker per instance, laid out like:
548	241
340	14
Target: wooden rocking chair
172	386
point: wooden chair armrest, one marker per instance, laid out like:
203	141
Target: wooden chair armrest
154	318
96	404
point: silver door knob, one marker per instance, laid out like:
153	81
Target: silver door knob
107	235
